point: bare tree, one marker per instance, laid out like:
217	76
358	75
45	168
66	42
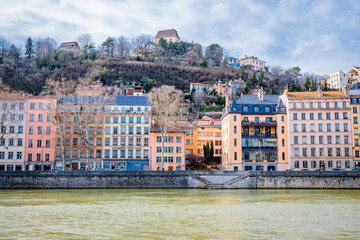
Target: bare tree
167	107
123	46
144	43
84	40
45	51
60	118
4	48
198	100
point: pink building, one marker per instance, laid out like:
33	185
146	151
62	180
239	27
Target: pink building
174	150
319	130
230	88
39	133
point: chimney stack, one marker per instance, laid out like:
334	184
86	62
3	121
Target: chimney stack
261	94
320	93
346	90
286	92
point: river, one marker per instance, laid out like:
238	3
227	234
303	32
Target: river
179	214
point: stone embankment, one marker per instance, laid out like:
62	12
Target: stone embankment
181	179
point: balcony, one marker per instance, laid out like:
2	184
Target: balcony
256	148
259	136
247	123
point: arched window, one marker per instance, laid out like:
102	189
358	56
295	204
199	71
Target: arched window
311	104
294	104
336	104
344	104
319	104
302	105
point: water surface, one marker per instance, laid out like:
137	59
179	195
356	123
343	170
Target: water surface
179	214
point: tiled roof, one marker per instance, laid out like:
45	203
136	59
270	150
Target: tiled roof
197	84
314	95
167	33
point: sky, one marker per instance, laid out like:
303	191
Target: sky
320	36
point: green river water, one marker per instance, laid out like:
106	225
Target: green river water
179	214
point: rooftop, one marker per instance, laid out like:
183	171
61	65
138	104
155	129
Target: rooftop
254	99
167	33
315	95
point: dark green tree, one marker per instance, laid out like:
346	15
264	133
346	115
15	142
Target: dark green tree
109	46
214	53
211	152
307	84
29	48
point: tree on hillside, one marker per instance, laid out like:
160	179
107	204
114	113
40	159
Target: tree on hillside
85	40
29	49
4	48
45	51
14	53
167	107
123	46
108	46
307	84
143	43
214	54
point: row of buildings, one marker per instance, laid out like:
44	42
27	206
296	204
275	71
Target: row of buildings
249	61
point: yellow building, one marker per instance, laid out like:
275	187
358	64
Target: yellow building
169	35
191	137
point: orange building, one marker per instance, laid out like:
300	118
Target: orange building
209	130
191	137
40	133
174	149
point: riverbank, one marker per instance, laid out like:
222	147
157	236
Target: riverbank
179	179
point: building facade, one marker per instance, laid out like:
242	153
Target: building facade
337	80
353	75
174	149
126	134
12	132
231	88
209	131
355	117
256	63
198	88
191	136
319	130
39	133
254	134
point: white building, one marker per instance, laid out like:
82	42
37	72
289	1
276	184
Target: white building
338	79
12	133
126	136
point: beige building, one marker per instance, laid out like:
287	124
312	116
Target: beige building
319	130
256	63
354	75
254	134
169	35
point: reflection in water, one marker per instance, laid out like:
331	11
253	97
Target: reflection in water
179	214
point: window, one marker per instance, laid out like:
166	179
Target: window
245	108
256	109
295	116
336	104
311	116
302	105
98	141
327	115
305	165
131	130
115	130
257	119
319	104
347	152
303	127
178	139
40	117
304	140
47	143
138	130
234	118
329	152
319	115
30	143
327	105
345	116
115	153
329	139
267	109
282	129
39	130
138	153
20	142
296	164
355	120
312	139
312	127
320	128
295	127
123	130
303	116
235	142
20	129
178	149
321	152
107	153
31	117
282	118
345	127
131	119
296	139
32	105
355	110
312	152
294	104
338	153
234	129
346	139
321	139
107	141
311	104
178	159
296	152
138	120
344	104
107	130
328	127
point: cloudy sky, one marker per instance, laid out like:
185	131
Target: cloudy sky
319	36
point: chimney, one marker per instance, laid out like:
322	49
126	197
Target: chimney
286	92
227	100
261	94
346	90
320	93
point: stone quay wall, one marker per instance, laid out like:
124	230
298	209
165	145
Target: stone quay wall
179	179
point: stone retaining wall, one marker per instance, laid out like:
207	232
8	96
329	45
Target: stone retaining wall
180	179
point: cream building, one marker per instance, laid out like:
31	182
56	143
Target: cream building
256	63
337	80
169	35
126	134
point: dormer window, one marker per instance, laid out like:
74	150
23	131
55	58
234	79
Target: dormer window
245	108
267	109
256	109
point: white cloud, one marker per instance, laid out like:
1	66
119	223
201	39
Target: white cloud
319	36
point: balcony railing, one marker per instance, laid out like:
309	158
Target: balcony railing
263	149
247	123
258	135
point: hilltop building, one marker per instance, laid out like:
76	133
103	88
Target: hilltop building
66	46
231	88
256	63
169	35
337	80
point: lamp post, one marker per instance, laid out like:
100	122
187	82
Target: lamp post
42	155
